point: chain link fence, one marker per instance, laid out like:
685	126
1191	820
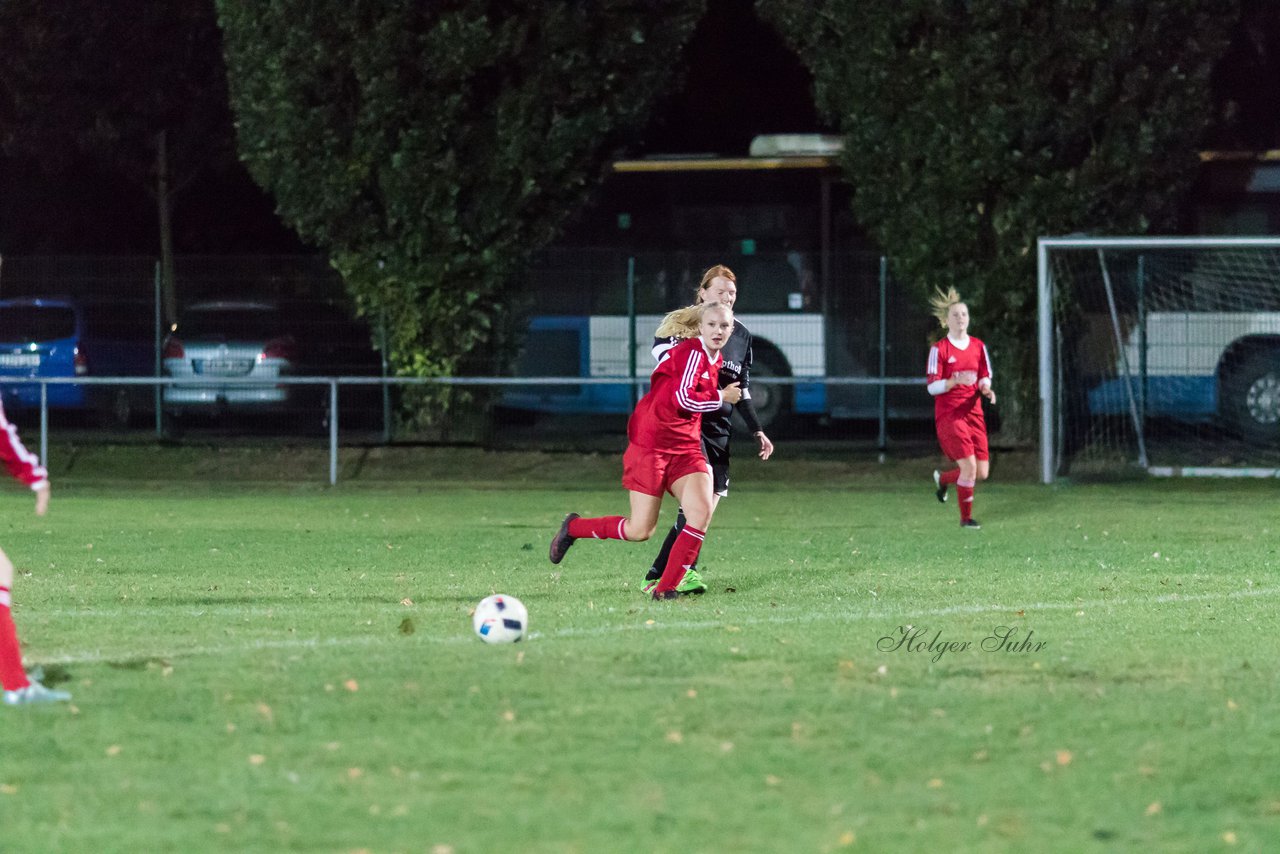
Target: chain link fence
270	349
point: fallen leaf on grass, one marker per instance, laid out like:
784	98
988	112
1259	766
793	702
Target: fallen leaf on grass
1154	808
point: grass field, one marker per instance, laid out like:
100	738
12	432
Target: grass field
262	666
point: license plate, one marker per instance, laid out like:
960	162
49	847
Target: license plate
222	367
19	360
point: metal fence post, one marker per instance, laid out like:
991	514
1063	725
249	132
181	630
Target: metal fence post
884	346
159	364
44	424
333	431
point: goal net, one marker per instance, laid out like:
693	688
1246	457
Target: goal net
1159	355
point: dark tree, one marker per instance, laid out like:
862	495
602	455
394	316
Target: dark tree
429	148
141	92
972	127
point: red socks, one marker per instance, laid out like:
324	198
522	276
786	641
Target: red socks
684	554
964	491
600	528
12	674
949	477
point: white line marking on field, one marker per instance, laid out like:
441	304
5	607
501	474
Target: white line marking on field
460	636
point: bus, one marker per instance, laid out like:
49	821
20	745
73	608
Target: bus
818	300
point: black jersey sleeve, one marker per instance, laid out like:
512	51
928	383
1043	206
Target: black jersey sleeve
661	346
745	407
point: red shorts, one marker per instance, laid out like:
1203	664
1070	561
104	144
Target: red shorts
965	436
653	472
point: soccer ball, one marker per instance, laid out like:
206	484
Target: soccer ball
500	619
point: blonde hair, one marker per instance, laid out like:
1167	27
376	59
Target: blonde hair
941	301
687	322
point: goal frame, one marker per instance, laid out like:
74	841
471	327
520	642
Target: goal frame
1044	307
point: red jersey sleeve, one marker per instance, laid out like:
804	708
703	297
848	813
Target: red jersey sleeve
693	392
984	365
933	372
21	463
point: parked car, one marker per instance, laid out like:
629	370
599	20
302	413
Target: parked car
229	340
65	337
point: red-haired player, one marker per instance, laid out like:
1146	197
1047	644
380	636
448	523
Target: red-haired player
959	376
664	452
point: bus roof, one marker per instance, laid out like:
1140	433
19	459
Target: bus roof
722	164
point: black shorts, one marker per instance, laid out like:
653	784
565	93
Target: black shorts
719	459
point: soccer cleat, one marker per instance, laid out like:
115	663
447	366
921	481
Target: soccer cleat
33	694
691	583
561	541
971	524
649	585
941	491
666	594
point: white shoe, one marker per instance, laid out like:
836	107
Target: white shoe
33	694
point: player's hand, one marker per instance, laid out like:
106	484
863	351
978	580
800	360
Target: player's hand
989	393
766	447
731	393
42	499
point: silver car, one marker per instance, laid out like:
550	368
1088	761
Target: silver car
230	339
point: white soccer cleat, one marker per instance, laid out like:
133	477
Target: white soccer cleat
33	694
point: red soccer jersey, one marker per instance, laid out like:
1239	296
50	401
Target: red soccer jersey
21	463
946	359
683	386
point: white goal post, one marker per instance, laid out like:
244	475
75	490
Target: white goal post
1159	355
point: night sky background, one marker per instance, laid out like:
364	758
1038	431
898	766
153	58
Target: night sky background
740	80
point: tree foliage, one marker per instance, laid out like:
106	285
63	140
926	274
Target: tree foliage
431	147
972	127
141	92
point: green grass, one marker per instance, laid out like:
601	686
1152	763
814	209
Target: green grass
266	667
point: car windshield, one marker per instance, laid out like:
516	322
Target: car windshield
230	322
36	323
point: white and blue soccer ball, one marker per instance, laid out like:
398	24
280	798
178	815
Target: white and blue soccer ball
500	619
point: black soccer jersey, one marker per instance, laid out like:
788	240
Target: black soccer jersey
735	367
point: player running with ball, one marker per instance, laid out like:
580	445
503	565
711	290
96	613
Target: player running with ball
959	376
718	284
664	452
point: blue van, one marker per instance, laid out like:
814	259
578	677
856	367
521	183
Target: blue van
63	337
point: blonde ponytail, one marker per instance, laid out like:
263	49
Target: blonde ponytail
681	323
941	301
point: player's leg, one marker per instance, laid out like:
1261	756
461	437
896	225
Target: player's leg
643	476
719	459
695	495
964	490
18	689
981	451
12	674
655	569
635	527
948	440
